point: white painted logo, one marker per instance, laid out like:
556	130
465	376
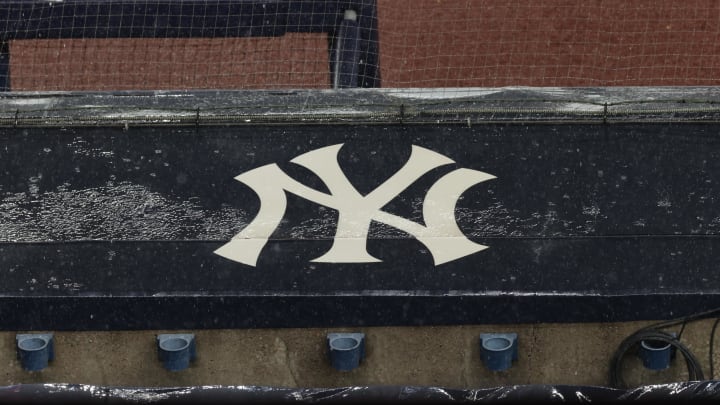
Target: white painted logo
440	234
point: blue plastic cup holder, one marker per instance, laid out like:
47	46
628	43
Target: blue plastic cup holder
346	350
176	351
35	350
344	343
498	350
174	344
655	354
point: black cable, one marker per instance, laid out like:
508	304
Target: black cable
682	329
653	332
677	321
712	340
631	342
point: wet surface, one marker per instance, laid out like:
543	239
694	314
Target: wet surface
171	183
693	391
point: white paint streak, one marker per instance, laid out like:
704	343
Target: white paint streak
444	93
47	102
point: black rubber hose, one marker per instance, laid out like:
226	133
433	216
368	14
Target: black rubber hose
712	344
694	368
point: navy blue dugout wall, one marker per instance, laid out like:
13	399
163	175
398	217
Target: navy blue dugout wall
560	205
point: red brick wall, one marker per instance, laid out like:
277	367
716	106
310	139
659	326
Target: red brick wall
446	43
290	61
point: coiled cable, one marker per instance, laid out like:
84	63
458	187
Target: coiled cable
654	333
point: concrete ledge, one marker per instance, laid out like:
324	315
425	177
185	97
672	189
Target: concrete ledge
469	106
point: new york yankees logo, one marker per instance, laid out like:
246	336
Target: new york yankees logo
440	234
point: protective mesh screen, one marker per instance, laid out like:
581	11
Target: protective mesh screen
446	43
292	61
404	43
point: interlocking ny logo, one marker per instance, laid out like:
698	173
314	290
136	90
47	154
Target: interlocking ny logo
440	234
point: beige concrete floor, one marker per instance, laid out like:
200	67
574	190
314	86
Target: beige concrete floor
447	356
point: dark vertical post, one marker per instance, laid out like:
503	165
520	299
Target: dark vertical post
353	44
347	52
369	64
4	65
